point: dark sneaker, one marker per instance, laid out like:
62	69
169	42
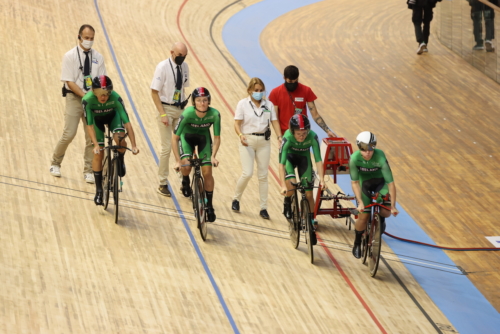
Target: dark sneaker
356	251
287	210
163	190
264	214
478	47
211	214
98	198
235	206
489	46
186	189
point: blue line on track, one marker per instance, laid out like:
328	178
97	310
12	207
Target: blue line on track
176	202
455	295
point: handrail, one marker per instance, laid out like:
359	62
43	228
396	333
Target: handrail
489	4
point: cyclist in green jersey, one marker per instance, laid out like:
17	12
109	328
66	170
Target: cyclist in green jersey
193	130
103	106
295	152
370	172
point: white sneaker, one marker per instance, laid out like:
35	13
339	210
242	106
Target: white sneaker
55	171
89	178
421	48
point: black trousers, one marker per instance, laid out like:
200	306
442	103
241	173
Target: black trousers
421	18
479	10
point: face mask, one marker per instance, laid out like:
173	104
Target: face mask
291	86
257	95
179	60
87	44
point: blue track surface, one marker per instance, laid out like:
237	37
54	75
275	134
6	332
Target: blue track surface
455	295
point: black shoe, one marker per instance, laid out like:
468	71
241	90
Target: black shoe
211	214
356	251
98	198
163	190
235	206
287	210
264	214
186	190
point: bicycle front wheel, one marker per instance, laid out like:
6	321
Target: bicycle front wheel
294	223
106	173
307	227
376	246
202	216
116	187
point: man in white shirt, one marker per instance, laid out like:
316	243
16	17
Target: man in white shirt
167	91
80	65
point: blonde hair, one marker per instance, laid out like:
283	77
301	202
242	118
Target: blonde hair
253	82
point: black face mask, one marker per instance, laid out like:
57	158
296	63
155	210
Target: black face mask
291	86
179	60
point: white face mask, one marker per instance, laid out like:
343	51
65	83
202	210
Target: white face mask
87	44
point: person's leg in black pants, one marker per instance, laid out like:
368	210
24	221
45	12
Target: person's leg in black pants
428	15
416	18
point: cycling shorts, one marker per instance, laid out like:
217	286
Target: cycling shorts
203	142
377	185
114	123
303	165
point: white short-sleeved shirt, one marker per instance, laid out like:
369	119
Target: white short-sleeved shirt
165	77
71	66
255	119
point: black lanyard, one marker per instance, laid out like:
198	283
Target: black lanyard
265	108
175	79
291	98
80	60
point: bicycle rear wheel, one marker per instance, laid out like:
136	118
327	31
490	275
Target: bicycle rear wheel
295	222
375	247
202	221
116	187
307	227
106	173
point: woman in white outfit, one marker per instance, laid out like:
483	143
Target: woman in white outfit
253	120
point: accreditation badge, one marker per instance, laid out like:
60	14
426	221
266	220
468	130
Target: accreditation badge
87	82
177	96
298	111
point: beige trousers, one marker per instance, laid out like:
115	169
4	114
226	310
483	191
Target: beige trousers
259	150
173	114
72	116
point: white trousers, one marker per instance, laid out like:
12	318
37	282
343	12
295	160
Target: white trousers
259	150
173	114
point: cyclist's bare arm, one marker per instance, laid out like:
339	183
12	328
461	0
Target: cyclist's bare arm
282	178
131	135
93	138
175	145
319	168
392	192
356	188
215	149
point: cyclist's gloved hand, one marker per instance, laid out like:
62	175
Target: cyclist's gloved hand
135	150
283	191
177	166
97	149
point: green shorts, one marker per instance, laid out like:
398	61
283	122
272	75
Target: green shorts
203	142
304	166
114	122
374	185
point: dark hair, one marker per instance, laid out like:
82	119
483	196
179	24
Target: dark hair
85	26
291	72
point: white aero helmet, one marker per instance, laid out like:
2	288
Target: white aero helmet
366	141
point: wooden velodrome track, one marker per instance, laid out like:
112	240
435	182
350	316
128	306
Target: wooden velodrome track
67	268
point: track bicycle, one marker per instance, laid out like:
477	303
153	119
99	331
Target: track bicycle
198	195
371	243
302	219
111	181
